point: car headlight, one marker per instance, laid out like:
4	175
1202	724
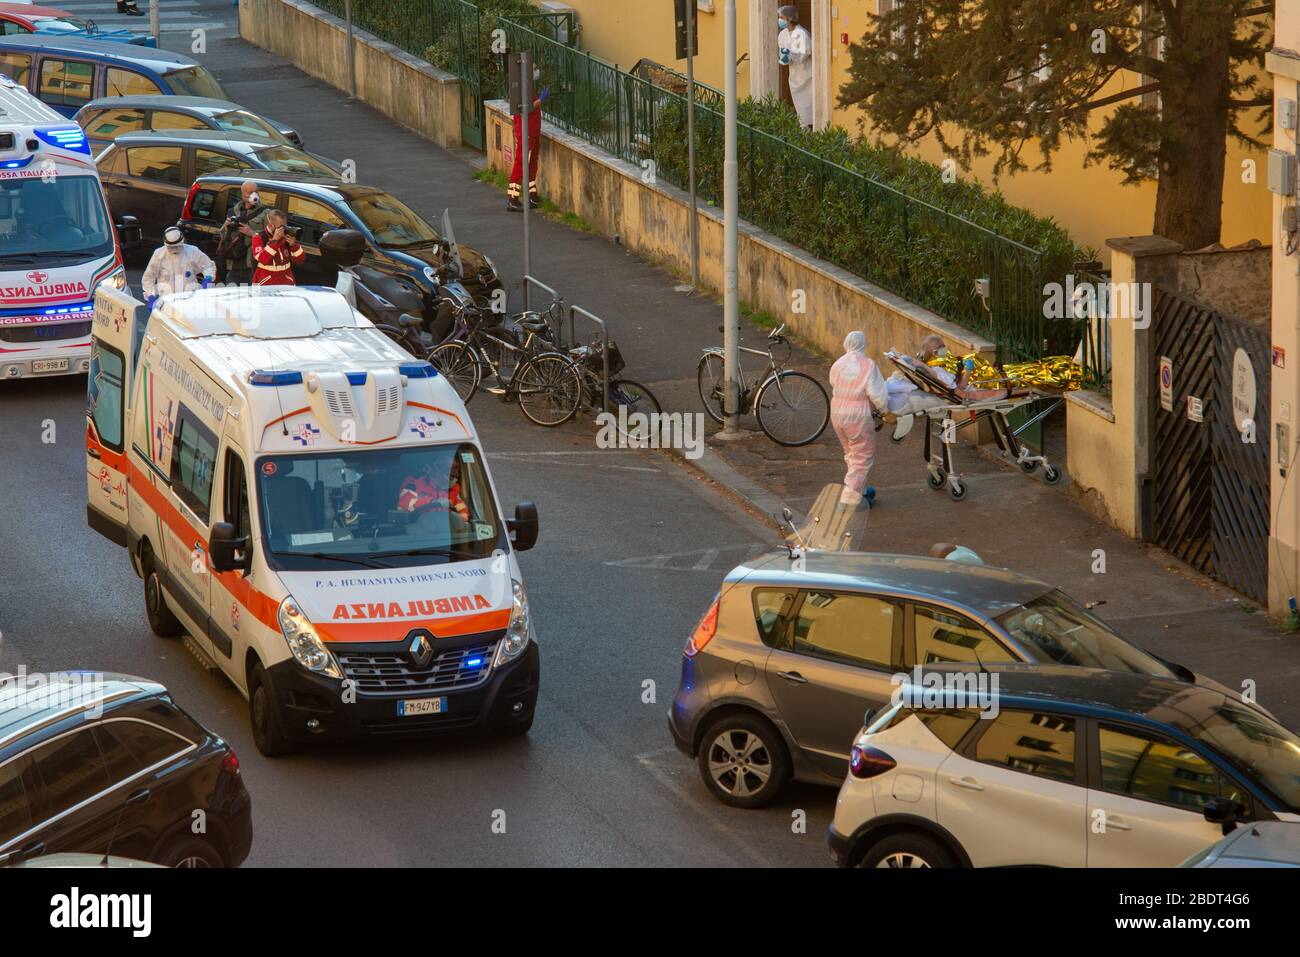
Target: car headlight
307	648
430	275
117	278
517	632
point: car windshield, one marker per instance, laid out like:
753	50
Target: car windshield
1052	628
195	81
379	508
391	222
241	121
1254	743
60	25
287	159
62	218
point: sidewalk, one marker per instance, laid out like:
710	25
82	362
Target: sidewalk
1009	518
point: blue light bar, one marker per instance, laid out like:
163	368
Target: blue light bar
71	138
417	370
356	378
474	662
267	377
17	164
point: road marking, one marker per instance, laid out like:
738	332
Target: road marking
697	559
557	458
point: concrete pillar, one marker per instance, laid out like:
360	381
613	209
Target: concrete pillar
1283	62
823	30
764	71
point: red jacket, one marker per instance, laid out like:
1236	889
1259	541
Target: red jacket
418	495
273	261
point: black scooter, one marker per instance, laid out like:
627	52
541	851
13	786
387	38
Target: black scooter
397	308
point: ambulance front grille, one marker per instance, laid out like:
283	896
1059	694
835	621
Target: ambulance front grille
45	333
393	673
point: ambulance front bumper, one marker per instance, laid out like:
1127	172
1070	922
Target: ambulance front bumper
317	708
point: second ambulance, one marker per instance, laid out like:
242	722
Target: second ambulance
312	506
57	241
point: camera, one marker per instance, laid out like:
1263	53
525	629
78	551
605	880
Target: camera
292	232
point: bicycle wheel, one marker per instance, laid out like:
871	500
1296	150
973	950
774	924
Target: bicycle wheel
549	388
456	361
633	395
709	375
792	409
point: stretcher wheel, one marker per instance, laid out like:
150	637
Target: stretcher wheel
938	479
1051	475
1029	466
957	490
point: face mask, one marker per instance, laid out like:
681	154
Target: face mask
254	199
537	76
173	250
783	24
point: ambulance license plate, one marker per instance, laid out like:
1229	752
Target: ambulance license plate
49	365
412	707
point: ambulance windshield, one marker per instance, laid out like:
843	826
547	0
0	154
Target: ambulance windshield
59	217
377	507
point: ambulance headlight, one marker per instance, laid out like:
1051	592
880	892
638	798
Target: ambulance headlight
117	279
516	639
307	648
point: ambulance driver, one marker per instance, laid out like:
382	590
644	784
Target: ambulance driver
427	496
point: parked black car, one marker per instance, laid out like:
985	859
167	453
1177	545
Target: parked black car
109	117
148	175
100	763
400	243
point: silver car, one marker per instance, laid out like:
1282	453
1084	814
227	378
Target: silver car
799	645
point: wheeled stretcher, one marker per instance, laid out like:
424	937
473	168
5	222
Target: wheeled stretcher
936	401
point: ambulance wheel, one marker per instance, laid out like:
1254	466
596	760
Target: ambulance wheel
957	490
264	716
161	620
1029	466
1051	475
937	479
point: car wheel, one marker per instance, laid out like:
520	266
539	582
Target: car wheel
264	716
162	622
190	851
908	851
743	760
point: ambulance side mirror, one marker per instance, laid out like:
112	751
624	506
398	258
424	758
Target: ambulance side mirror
128	232
523	526
224	549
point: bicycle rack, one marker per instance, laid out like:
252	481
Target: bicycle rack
604	348
529	283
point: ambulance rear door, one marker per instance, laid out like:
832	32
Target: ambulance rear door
116	332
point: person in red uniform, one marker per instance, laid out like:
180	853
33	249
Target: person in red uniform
275	253
534	148
422	492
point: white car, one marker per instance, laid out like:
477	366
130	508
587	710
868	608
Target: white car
1069	767
1264	844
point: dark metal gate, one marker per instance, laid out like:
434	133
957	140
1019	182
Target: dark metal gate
1209	478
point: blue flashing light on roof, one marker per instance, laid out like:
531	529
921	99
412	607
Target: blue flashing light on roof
356	378
417	370
268	377
17	164
71	138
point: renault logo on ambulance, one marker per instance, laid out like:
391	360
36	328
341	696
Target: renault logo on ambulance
420	650
326	600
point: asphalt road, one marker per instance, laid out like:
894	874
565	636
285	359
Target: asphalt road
597	782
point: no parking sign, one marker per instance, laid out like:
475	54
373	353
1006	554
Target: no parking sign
1166	384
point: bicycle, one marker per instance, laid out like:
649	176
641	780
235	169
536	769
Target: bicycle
792	407
547	384
622	392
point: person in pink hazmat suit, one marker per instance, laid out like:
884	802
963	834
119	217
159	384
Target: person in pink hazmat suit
856	388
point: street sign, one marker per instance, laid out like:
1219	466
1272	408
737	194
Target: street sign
1166	384
1195	410
1243	390
682	11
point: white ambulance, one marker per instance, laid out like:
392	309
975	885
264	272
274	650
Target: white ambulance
312	507
57	241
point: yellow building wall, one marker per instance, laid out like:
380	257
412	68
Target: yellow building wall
625	31
1090	203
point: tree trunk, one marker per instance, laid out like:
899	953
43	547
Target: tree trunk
1195	97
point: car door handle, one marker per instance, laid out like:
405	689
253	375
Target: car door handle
1117	825
793	677
139	797
970	784
93	453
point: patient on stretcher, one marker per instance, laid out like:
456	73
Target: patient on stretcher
907	400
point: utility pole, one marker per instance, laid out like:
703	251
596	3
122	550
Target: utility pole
352	51
526	88
153	22
731	237
690	139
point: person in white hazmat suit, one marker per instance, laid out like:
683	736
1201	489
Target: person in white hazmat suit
856	389
795	45
175	266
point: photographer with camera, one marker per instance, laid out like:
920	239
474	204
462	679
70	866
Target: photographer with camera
247	218
275	252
